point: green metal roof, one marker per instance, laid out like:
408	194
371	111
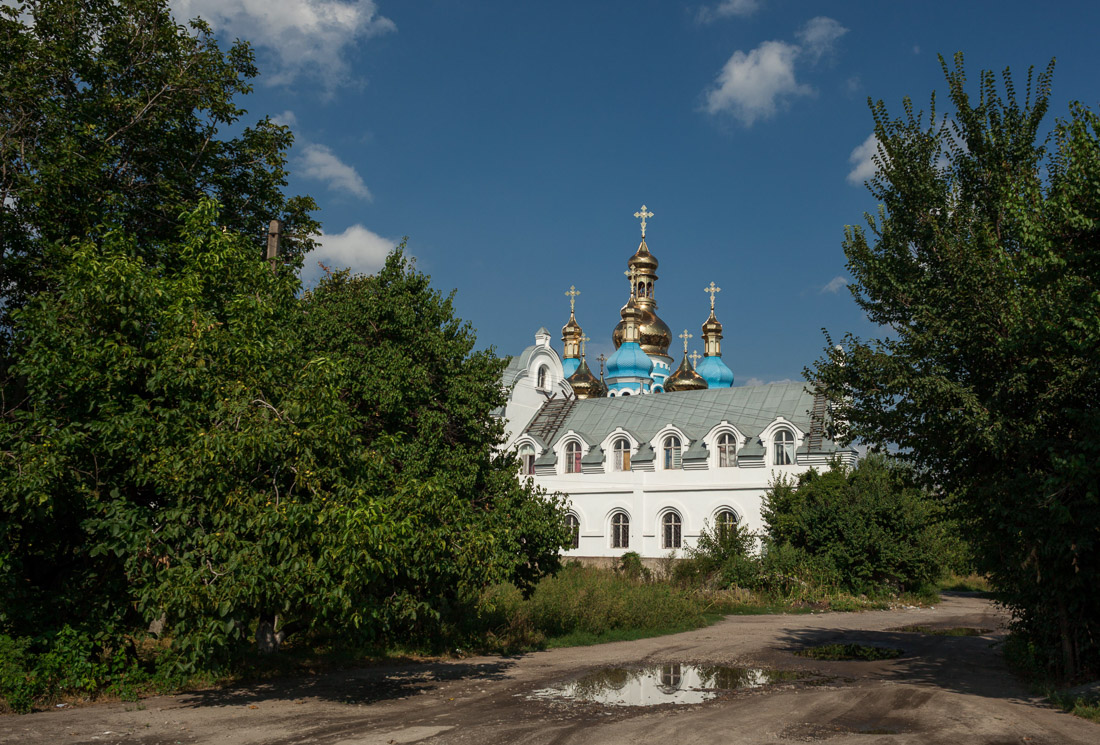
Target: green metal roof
749	408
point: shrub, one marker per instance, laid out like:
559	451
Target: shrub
871	524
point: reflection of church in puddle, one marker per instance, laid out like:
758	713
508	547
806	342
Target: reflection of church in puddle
648	455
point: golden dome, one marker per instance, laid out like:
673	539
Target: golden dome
571	329
643	260
712	326
653	334
585	384
685	379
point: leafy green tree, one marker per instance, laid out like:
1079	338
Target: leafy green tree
982	267
177	454
870	523
423	402
112	114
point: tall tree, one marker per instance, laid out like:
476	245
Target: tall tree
113	114
982	266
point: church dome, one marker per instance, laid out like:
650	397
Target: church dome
712	326
654	335
643	260
715	372
585	384
629	361
685	379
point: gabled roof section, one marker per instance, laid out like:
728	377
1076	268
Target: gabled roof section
750	409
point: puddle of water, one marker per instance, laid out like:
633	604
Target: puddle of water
662	684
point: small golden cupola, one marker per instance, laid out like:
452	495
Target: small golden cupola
571	334
654	335
714	370
685	378
584	383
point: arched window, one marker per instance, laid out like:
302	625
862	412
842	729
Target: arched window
574	524
542	377
670	530
725	522
573	457
672	452
784	447
671	677
620	530
622	454
727	449
527	460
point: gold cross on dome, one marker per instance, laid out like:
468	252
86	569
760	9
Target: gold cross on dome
602	358
685	336
713	290
695	357
572	295
643	214
583	340
632	272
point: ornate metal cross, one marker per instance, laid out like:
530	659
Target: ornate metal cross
685	336
602	358
695	357
583	340
643	214
632	272
572	295
713	290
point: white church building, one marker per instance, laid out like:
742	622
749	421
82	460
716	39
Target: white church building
646	455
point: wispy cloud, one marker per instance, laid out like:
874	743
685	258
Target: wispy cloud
319	162
727	9
819	37
286	119
862	160
356	248
757	84
300	37
835	285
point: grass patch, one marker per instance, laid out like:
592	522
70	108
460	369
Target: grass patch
1024	662
953	631
1086	707
862	652
970	583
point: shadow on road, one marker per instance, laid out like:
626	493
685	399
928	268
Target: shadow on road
357	686
972	665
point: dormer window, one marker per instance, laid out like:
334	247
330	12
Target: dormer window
527	460
784	447
672	454
573	457
543	374
622	454
727	450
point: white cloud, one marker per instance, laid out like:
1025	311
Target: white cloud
754	381
319	162
862	160
302	36
285	119
726	9
819	36
835	285
356	248
755	85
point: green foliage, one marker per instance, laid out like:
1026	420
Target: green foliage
112	115
631	566
583	605
982	265
421	401
870	524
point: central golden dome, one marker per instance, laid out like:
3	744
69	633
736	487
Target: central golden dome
654	335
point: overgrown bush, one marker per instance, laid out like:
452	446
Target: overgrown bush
869	526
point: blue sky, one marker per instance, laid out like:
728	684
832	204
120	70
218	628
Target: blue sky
513	141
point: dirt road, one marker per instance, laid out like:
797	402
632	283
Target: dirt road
942	689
